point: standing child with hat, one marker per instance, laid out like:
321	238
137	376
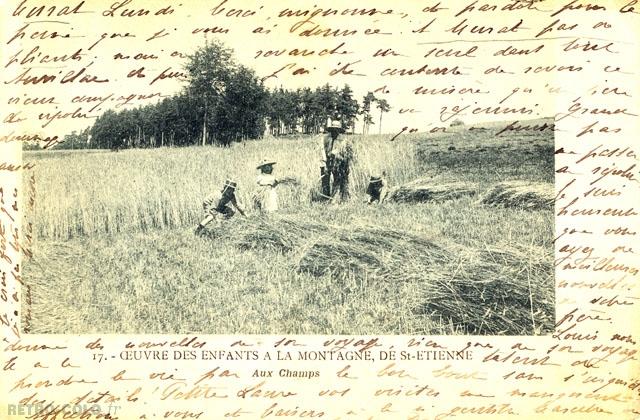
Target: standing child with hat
265	198
220	202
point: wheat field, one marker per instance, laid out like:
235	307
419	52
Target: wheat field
114	248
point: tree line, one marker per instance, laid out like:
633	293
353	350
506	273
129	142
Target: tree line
225	102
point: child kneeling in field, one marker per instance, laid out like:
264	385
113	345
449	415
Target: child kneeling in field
220	202
377	189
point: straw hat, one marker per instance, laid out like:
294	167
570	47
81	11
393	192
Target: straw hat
335	126
265	162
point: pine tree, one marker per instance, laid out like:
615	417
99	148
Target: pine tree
383	106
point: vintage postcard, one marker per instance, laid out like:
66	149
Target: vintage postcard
258	209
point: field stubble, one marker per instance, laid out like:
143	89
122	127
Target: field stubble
115	250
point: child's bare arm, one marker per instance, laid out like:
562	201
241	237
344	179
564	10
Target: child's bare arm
234	201
287	180
383	192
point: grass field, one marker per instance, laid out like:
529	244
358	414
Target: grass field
115	250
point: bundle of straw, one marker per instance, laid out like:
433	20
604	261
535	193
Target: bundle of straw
339	259
265	232
372	250
521	194
488	295
423	190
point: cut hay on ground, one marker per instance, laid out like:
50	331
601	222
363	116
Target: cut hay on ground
367	250
486	295
521	194
339	259
272	233
504	290
424	190
396	247
493	291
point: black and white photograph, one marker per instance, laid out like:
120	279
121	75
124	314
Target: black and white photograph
319	209
238	204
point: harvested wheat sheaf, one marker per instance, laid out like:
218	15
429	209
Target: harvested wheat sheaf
521	194
423	190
